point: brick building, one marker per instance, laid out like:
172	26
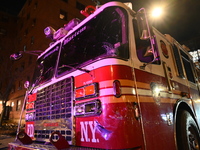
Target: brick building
28	35
7	37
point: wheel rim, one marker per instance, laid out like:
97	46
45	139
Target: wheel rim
193	139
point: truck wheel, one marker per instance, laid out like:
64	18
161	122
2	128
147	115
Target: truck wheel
187	134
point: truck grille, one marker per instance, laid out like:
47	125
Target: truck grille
54	110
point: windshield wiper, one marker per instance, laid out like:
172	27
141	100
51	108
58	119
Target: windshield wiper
84	70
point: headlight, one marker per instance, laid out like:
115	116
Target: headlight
90	108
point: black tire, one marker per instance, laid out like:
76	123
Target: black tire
187	132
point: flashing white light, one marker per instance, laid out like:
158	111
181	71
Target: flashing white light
129	5
157	12
157	90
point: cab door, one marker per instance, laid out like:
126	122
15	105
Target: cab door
155	77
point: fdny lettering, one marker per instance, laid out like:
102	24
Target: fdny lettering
85	127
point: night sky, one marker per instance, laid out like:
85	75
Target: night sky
11	6
181	19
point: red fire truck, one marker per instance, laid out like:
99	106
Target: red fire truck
111	81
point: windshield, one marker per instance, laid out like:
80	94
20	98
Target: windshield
45	66
103	36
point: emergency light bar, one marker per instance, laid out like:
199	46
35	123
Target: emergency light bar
49	32
56	35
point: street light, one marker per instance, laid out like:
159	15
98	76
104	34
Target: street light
157	12
18	55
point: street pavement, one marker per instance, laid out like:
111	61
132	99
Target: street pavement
4	140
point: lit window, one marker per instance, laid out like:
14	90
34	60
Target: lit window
63	15
12	104
18	105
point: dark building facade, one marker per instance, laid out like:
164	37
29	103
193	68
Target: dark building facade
28	35
7	37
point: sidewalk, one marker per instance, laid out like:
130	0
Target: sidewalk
4	140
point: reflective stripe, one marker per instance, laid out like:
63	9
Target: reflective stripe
109	91
106	89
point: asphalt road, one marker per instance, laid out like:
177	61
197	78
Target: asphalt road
4	140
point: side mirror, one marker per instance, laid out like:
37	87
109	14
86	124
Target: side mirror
26	84
16	56
143	26
145	33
